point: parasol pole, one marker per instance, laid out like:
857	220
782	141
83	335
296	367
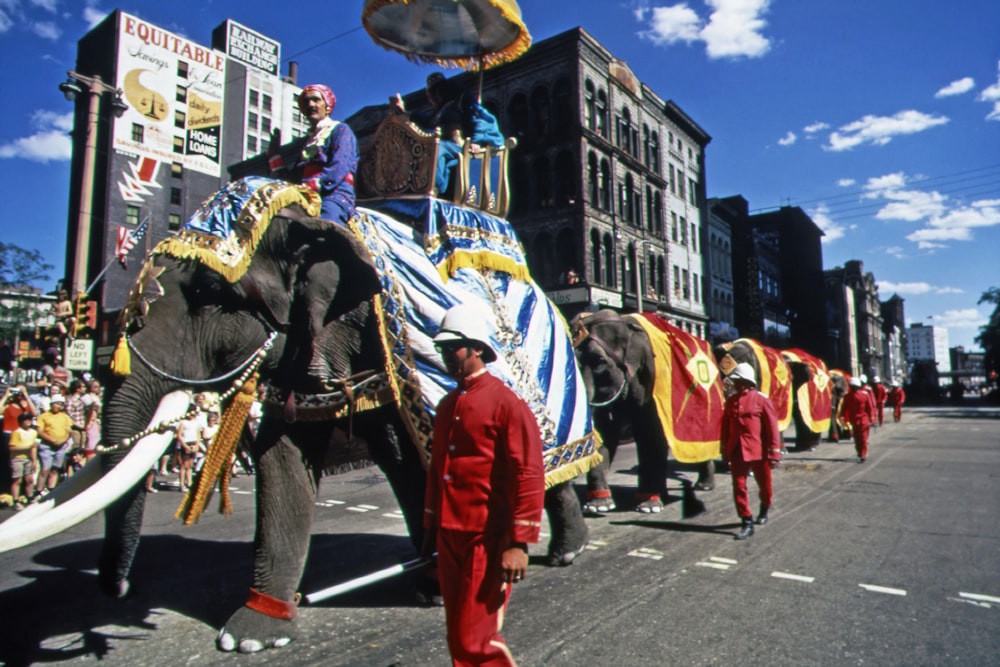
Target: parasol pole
365	580
479	94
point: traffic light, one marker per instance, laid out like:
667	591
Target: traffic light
92	314
80	311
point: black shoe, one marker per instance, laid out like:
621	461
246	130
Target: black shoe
762	518
861	459
747	529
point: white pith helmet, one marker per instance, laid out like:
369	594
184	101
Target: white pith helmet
744	371
863	378
466	322
855	382
876	379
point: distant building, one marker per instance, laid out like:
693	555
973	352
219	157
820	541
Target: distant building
723	215
930	343
855	340
192	109
969	368
894	341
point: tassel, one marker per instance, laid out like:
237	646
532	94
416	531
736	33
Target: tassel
219	458
121	360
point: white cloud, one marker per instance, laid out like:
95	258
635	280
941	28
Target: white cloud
788	139
732	30
93	15
46	30
896	251
832	230
49	143
47	5
915	288
845	182
818	126
992	94
957	87
880	130
909	205
963	318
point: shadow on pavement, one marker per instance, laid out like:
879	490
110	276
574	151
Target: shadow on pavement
60	615
727	529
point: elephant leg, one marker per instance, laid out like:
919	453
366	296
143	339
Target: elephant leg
706	476
651	453
392	449
287	482
569	530
122	528
599	499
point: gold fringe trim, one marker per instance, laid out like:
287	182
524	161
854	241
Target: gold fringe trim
572	470
121	360
231	257
508	10
482	260
218	460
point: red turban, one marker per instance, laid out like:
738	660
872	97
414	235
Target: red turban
328	96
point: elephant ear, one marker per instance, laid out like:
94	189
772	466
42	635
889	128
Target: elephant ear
639	357
321	240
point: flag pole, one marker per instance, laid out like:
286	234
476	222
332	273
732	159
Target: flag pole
100	275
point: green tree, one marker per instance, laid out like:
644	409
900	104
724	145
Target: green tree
20	271
989	335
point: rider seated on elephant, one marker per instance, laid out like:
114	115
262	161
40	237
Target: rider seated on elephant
459	117
328	158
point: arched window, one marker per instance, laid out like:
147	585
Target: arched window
565	252
646	145
565	179
564	116
541	111
605	185
650	283
661	277
602	113
519	117
654	152
623	132
520	191
608	254
540	258
592	181
658	214
543	187
627	206
595	255
589	106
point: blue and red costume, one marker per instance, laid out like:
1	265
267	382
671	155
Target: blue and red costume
485	492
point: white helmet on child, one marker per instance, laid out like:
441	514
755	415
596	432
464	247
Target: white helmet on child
744	371
467	322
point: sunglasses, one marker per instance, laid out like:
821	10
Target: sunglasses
448	347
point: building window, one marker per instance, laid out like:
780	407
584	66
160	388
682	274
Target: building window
176	169
692	192
179	145
605	185
182	94
684	231
673	188
132	215
654	153
686	283
265	125
175	196
694	237
694	282
265	104
173	221
589	109
182	69
252	120
602	113
179	119
592	182
677	281
251	144
673	227
254	98
137	133
680	185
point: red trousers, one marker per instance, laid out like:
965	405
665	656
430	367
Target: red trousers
860	432
897	412
740	470
475	599
881	409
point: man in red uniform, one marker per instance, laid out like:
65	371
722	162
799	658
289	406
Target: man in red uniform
750	441
881	394
896	399
485	491
859	411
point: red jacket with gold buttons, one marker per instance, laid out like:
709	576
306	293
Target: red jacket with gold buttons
750	424
486	468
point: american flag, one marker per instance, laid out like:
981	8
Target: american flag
127	240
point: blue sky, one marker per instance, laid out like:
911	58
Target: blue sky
880	119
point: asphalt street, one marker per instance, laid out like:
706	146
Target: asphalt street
892	562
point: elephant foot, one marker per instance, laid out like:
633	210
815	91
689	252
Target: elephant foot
704	486
554	559
249	631
650	506
429	593
599	502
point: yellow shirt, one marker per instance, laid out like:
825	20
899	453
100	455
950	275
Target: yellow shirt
54	428
22	437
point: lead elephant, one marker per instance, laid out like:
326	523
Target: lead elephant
632	367
293	301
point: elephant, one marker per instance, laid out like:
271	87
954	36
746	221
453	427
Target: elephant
838	389
300	313
812	387
617	360
774	376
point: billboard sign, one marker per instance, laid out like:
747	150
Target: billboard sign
175	90
252	48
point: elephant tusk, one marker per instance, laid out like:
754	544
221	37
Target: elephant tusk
87	492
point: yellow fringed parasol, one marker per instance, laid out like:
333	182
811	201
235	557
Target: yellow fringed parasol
469	34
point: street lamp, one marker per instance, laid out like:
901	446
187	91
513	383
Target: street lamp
73	86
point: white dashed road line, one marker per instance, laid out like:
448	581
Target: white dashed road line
646	552
883	589
716	566
793	577
980	598
720	559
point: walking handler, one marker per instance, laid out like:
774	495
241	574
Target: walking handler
485	491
